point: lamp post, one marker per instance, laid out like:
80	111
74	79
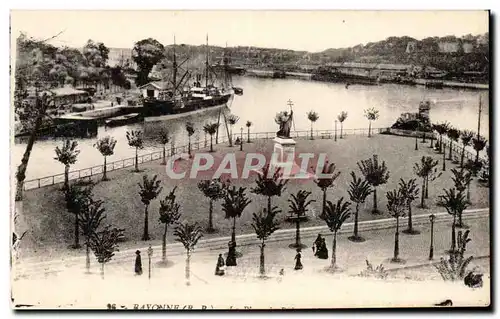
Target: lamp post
241	138
431	250
335	130
150	254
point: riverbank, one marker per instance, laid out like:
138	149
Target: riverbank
49	232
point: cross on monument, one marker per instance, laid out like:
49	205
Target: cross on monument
290	104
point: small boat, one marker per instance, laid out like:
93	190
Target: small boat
238	91
122	120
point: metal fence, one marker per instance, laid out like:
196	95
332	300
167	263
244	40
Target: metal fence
87	173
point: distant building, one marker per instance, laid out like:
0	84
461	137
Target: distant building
411	47
448	46
121	57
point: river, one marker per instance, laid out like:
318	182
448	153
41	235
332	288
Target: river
263	98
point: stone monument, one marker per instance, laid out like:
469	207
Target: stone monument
283	156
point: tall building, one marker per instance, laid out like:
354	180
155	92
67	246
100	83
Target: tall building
121	57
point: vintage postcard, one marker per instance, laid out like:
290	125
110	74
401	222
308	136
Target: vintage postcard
179	160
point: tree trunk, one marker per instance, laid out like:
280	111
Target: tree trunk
66	177
188	273
297	233
410	224
87	254
21	169
189	146
422	204
211	144
105	170
356	215
396	241
334	251
324	202
231	137
427	187
248	136
77	232
145	235
312	136
440	143
136	160
444	159
450	155
341	128
164	245
210	213
453	238
268	204
477	156
375	208
102	270
462	156
262	268
369	128
233	235
164	162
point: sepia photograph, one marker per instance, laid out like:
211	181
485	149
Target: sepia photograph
250	159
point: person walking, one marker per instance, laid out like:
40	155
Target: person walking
298	263
138	263
219	269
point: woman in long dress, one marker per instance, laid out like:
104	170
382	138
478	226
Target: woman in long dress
219	269
298	263
316	245
322	250
138	263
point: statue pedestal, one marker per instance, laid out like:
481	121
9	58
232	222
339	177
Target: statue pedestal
283	156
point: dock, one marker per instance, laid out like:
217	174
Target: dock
457	85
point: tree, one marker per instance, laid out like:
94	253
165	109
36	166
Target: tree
189	235
454	135
371	114
106	147
149	190
299	206
466	137
214	191
409	191
164	138
342	117
104	244
426	170
326	182
234	203
92	214
359	190
335	215
375	174
146	53
67	155
269	186
211	129
455	204
455	268
248	124
190	131
441	129
135	139
396	205
313	117
169	215
461	180
479	144
76	198
232	120
264	226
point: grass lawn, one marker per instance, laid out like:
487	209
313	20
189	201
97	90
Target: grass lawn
50	226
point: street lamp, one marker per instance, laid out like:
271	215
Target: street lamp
241	138
150	254
335	130
432	217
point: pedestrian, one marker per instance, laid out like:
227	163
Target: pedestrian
316	245
322	251
219	269
138	263
298	263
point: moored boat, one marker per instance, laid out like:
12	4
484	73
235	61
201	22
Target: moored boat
122	120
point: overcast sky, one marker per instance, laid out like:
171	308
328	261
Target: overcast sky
298	30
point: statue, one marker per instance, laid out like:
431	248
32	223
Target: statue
284	120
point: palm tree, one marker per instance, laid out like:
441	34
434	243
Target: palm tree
149	190
342	117
76	198
466	137
248	124
461	180
92	214
67	155
426	170
441	129
299	206
189	235
104	244
232	120
190	131
409	190
335	215
396	205
169	215
326	182
375	174
211	129
313	117
164	138
264	226
135	139
269	186
479	144
214	191
235	202
371	114
359	190
106	147
455	203
453	135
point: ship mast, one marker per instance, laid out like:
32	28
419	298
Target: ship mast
175	69
206	66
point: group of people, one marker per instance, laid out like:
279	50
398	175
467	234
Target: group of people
319	248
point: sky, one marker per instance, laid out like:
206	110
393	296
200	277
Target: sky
312	31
